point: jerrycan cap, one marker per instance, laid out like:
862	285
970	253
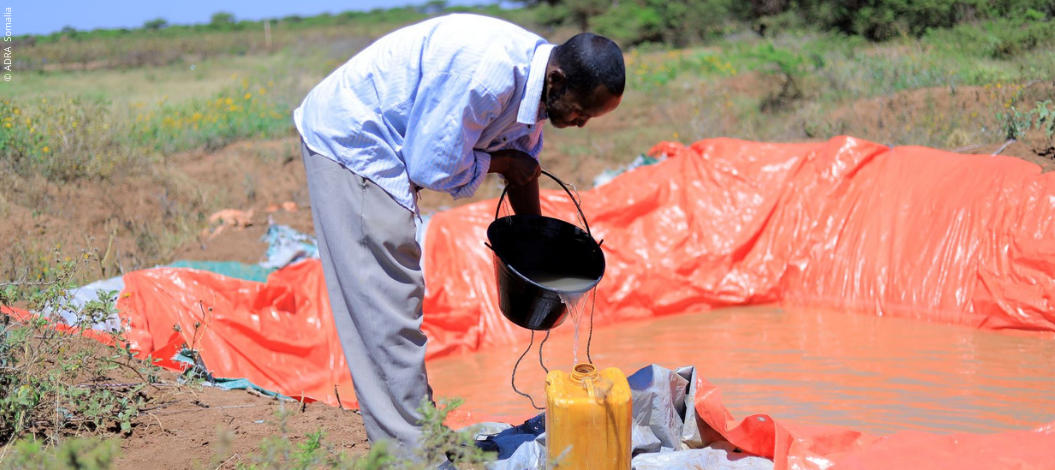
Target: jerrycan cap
583	371
596	386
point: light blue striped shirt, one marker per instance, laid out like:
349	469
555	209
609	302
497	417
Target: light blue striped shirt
423	105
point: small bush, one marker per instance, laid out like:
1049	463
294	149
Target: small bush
61	139
999	39
241	111
50	377
73	454
439	443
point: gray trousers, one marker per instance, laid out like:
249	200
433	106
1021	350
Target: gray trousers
372	265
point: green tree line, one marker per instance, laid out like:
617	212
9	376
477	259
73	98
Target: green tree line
681	22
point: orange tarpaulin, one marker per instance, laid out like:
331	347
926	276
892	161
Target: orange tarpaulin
846	224
913	232
793	446
278	335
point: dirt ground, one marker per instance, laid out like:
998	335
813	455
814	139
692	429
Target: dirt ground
196	428
227	427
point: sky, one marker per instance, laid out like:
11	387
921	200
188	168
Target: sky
47	16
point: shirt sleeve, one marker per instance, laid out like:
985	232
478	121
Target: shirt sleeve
447	118
530	144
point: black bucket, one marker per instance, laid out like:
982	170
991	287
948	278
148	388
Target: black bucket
527	249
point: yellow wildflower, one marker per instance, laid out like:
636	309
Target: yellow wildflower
261	91
229	101
46	149
248	96
17	111
7	125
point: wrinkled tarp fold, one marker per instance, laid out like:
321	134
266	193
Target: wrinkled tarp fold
845	224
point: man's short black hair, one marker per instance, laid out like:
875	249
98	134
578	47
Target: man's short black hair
589	60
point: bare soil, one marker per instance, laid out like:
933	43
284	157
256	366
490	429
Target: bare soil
211	428
967	107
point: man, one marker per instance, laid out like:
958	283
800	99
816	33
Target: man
435	105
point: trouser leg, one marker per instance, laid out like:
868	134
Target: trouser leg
372	265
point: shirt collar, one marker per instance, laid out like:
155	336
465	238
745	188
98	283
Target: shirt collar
531	106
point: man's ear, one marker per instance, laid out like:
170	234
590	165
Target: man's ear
555	78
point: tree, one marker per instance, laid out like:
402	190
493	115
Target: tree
583	10
221	19
156	24
433	7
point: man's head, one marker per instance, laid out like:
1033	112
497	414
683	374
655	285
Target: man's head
584	79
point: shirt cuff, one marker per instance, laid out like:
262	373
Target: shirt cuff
483	163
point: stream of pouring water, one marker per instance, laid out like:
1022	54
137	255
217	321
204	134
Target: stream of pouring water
576	304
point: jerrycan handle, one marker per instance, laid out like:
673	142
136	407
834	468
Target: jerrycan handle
587	383
562	185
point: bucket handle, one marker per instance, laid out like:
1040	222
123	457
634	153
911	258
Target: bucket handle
562	185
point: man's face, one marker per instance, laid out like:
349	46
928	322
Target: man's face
568	107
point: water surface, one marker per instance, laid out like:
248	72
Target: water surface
873	374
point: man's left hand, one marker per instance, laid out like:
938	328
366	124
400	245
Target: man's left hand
518	168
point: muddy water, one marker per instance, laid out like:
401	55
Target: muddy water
561	282
877	375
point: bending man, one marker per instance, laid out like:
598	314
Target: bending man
436	105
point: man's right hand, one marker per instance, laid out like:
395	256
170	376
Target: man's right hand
518	168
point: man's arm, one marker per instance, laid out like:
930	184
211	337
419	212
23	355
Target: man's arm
521	172
448	116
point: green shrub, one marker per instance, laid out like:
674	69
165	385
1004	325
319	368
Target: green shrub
73	454
998	39
439	443
62	140
885	19
48	377
632	22
241	111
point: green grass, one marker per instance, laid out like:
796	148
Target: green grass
144	84
241	111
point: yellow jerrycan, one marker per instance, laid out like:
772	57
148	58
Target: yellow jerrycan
588	419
